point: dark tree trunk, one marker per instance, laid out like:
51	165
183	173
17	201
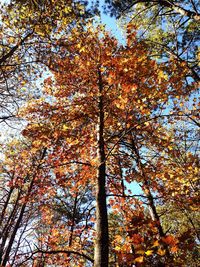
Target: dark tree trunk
101	250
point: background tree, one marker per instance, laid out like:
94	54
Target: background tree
29	29
19	177
171	27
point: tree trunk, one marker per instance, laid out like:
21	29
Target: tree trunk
101	250
152	208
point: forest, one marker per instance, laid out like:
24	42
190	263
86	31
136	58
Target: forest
99	135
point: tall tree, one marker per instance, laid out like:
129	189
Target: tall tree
101	93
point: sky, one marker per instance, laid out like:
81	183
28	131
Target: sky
111	24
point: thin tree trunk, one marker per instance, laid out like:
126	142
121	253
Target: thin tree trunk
16	227
152	208
101	250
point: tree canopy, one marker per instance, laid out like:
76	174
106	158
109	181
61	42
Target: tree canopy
104	171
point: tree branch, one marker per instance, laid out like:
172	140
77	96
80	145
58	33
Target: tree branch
53	252
12	50
169	4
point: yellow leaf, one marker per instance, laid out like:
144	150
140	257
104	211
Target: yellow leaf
139	259
118	248
194	208
149	252
82	49
162	75
65	127
94	162
181	104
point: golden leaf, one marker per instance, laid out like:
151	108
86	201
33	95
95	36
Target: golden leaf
161	252
149	252
139	259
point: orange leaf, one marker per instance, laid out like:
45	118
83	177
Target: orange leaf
170	240
155	244
139	259
136	239
161	252
174	249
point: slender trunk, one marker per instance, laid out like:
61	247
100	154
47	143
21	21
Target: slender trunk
152	208
121	176
73	222
101	250
2	217
5	206
13	235
19	243
72	228
16	227
5	235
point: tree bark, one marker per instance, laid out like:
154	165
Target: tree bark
101	250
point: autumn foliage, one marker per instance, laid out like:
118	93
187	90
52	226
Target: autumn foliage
106	173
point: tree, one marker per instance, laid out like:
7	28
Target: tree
29	29
171	27
168	179
18	181
101	95
119	7
65	223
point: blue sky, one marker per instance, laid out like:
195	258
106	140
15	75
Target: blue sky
111	24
